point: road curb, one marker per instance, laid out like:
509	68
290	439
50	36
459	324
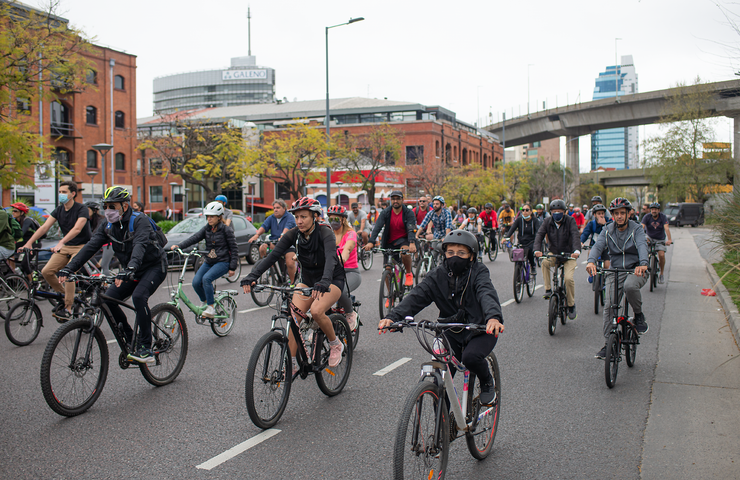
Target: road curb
731	312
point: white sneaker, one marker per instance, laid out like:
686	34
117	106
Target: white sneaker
209	312
335	354
352	320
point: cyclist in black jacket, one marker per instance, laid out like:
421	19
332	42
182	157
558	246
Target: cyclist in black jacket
316	249
143	265
526	226
461	289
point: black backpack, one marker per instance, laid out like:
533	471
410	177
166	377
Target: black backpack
161	238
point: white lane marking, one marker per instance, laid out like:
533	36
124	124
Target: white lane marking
111	341
538	286
584	262
380	279
241	448
508	302
253	309
391	367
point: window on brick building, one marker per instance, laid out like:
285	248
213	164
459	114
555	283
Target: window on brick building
23	105
92	159
436	148
61	157
120	161
120	119
91	115
119	83
155	166
91	77
414	154
155	194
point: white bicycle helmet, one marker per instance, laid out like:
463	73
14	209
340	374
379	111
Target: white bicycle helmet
213	208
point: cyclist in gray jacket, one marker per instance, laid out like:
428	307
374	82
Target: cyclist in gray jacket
627	246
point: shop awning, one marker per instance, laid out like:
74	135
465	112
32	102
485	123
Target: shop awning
152	211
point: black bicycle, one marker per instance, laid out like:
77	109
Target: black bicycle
524	275
74	367
597	285
429	421
270	375
490	246
623	334
558	306
653	263
392	282
276	275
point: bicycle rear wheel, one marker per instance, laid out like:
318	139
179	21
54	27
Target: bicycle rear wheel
422	270
169	344
74	368
331	380
480	440
597	293
531	283
222	326
14	288
518	283
611	360
237	272
653	273
415	452
23	323
387	296
493	251
264	297
267	387
552	313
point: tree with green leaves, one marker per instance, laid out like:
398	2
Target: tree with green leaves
546	180
680	170
40	60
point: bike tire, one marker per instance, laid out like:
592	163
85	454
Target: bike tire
169	344
23	323
237	272
597	293
552	313
15	288
422	270
493	251
416	457
356	331
653	274
331	380
366	259
480	441
518	283
223	326
611	360
264	297
630	345
72	385
267	377
531	284
387	292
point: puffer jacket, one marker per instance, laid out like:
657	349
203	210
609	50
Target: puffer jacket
220	240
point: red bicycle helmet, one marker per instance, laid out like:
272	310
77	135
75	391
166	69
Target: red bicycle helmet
337	210
20	206
620	202
305	203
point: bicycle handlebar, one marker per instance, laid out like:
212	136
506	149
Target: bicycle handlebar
436	327
191	252
305	291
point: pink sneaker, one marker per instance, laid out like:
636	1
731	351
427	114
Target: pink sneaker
335	354
352	320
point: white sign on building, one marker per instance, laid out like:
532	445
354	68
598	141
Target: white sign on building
244	75
45	191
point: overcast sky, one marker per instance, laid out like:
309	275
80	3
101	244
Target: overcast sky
469	57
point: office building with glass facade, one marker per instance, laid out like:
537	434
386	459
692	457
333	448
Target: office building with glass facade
616	147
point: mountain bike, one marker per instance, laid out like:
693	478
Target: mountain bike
276	275
433	414
269	374
224	303
623	334
392	282
429	259
522	274
74	366
12	288
490	246
558	306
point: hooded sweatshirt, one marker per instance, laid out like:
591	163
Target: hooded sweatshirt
627	249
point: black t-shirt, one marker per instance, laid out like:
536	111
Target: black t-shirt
67	220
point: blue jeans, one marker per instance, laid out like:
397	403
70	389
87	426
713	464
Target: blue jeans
203	280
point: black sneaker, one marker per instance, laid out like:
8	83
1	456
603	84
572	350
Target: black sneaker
142	355
572	312
487	393
547	295
640	324
602	354
62	314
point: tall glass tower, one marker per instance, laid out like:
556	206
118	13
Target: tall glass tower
616	147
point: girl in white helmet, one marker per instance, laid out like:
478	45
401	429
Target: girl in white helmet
222	257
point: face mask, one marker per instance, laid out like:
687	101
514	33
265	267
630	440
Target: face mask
112	215
557	216
526	217
336	225
63	198
372	210
458	265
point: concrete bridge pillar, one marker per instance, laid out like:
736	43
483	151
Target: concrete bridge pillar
572	161
736	152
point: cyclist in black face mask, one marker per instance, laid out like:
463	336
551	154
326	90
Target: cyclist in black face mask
461	289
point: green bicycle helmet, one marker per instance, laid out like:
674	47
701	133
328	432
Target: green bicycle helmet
116	194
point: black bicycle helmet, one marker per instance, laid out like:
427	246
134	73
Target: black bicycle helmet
488	205
116	194
461	237
472	210
597	198
557	205
655	205
93	205
620	202
598	208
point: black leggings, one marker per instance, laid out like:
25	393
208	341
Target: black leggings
474	352
139	290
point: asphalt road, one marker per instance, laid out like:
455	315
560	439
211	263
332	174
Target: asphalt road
559	420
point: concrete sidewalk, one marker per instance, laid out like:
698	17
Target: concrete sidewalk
693	427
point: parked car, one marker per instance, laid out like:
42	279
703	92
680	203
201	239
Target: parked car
680	214
243	230
193	212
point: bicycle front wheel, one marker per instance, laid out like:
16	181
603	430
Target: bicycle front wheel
422	446
518	283
531	283
366	258
225	307
237	272
331	380
13	288
493	251
653	274
631	339
552	313
169	344
387	296
597	293
23	323
264	297
611	360
422	270
268	384
480	439
74	368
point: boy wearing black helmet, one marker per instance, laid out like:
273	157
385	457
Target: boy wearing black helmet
461	289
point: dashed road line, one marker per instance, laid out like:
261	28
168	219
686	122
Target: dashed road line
111	341
234	451
392	366
508	302
253	309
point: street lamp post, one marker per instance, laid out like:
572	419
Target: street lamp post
172	196
103	148
202	192
339	192
326	120
251	199
92	174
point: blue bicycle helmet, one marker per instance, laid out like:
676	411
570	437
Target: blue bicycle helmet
440	198
221	198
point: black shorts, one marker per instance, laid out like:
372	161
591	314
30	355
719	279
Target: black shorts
396	244
309	279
